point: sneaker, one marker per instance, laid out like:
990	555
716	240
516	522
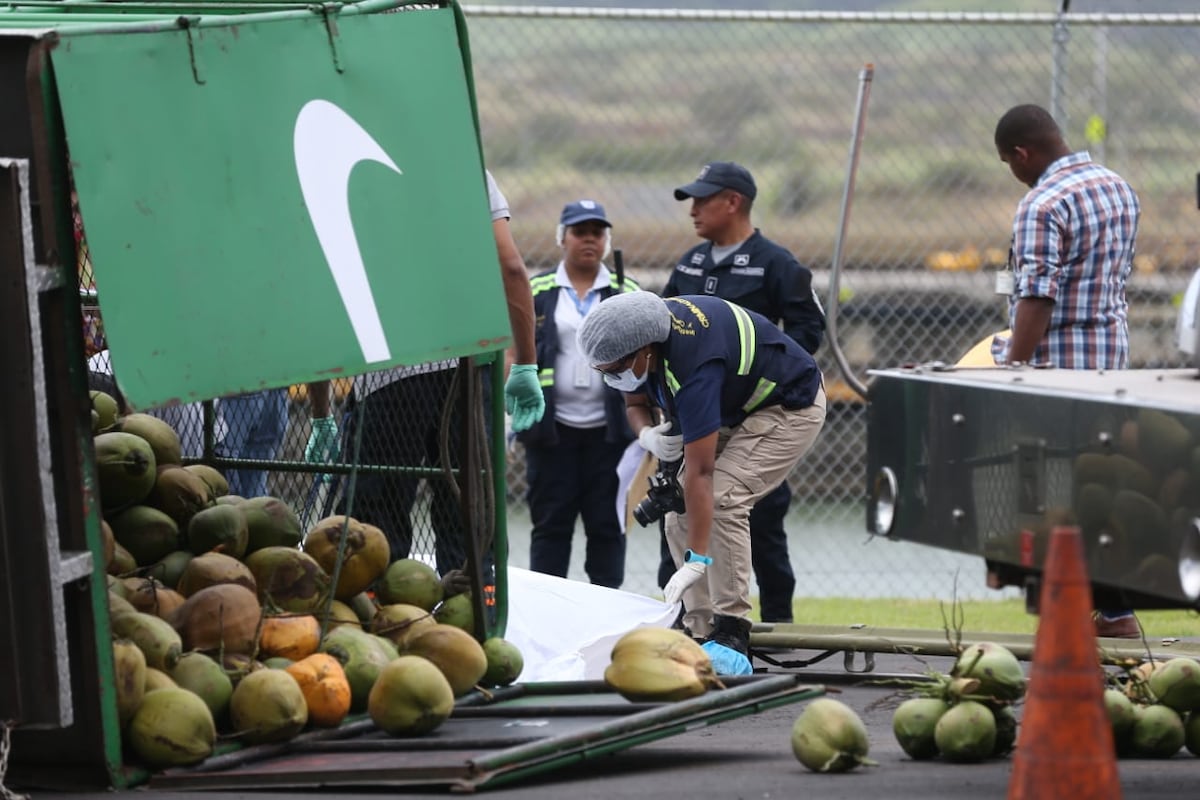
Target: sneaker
1125	627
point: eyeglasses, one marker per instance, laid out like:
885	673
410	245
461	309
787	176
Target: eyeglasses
615	368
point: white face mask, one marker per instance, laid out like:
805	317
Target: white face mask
626	381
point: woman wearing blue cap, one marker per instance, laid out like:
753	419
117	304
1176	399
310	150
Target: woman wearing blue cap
571	456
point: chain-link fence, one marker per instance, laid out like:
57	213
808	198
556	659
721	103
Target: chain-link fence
623	105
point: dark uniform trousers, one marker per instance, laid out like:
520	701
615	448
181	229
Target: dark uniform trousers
576	478
769	555
401	427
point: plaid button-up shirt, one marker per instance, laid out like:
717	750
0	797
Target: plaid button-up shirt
1073	243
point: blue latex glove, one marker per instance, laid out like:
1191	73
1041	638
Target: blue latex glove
323	446
523	397
726	660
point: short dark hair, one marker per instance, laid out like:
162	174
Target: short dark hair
1027	126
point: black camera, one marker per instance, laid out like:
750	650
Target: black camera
665	494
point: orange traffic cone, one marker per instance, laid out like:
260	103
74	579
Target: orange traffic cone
1065	747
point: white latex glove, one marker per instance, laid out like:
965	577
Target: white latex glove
683	578
656	440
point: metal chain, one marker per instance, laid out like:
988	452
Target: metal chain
5	792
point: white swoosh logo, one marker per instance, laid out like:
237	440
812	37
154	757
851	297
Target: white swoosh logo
328	144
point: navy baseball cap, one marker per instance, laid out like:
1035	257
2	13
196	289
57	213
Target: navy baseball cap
582	211
717	176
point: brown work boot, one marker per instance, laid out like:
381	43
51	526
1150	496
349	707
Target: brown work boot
1120	628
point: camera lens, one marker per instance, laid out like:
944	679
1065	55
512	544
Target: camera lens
646	512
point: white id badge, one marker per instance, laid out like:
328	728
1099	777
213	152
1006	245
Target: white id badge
583	375
1005	283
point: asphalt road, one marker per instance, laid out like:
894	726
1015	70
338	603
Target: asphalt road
751	757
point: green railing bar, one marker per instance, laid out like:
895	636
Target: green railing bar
500	503
120	23
647	726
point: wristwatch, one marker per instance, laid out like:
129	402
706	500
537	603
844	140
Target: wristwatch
692	557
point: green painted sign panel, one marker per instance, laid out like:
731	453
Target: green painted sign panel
273	201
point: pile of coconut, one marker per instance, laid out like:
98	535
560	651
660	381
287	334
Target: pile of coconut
967	715
231	623
1154	708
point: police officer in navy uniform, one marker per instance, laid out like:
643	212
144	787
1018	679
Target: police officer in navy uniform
571	456
737	263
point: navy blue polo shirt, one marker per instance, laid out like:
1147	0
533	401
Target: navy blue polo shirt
723	362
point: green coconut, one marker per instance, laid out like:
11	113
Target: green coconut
147	533
179	494
504	662
158	641
170	567
1121	715
172	727
123	562
161	437
913	724
1006	731
157	679
1191	733
410	697
1176	684
1158	732
455	652
272	523
458	611
412	582
340	614
125	469
268	706
219	527
995	667
400	622
106	410
967	732
829	736
217	485
129	675
205	678
361	655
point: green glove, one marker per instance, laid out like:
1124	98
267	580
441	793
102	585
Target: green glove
523	397
322	446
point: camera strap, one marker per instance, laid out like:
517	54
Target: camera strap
661	392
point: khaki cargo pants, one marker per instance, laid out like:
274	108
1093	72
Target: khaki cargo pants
752	459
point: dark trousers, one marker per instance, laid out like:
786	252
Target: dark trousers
401	427
768	556
576	478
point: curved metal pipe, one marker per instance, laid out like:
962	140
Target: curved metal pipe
860	122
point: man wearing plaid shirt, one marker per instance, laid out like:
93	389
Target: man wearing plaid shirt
1072	250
